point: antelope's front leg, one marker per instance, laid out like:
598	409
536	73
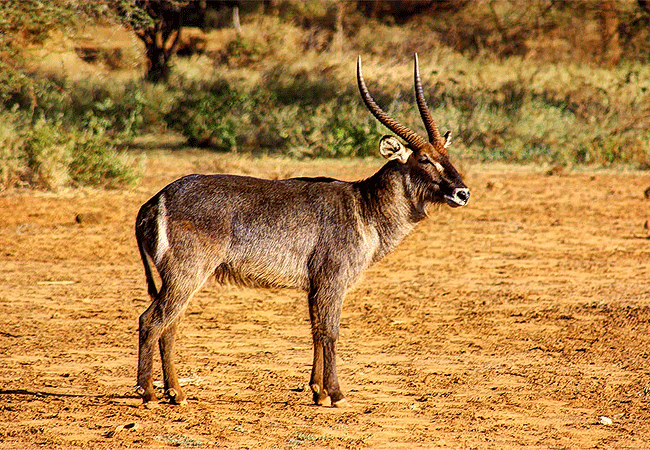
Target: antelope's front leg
316	382
325	315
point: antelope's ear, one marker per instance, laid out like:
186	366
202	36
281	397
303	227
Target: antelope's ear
391	148
447	138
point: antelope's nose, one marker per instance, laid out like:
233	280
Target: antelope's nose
459	197
462	195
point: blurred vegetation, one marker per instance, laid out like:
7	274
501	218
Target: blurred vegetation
55	132
551	82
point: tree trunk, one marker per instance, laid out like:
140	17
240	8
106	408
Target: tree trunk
157	64
610	48
159	48
235	18
337	41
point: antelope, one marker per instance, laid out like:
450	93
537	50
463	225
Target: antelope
314	234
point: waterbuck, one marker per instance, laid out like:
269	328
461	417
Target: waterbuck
314	234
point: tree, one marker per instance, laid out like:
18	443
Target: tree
158	24
610	48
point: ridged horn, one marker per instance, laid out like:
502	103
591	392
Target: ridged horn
400	130
429	124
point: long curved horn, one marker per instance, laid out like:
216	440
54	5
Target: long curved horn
429	124
405	133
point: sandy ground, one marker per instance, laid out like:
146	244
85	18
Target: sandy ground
521	320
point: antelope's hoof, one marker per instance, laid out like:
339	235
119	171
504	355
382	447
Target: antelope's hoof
149	399
175	397
320	396
324	401
343	403
152	404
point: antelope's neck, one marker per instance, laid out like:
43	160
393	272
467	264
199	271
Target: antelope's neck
388	206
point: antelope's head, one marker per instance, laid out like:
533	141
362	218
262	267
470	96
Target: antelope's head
433	177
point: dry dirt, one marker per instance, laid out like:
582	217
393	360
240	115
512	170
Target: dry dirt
521	320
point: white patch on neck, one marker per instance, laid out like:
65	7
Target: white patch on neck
161	221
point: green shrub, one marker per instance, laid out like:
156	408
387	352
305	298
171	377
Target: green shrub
11	155
119	112
204	117
221	117
55	133
48	154
95	161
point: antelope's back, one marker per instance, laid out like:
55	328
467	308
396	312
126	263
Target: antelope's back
258	232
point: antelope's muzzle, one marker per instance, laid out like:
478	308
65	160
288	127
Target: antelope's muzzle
460	197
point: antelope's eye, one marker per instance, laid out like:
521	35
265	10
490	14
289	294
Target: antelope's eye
424	160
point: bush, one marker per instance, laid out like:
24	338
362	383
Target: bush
314	122
95	161
57	134
11	154
56	157
205	116
47	155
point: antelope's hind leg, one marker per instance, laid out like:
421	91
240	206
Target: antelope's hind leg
159	323
166	342
148	335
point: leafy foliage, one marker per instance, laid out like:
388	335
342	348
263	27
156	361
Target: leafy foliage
312	122
205	116
54	134
513	85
